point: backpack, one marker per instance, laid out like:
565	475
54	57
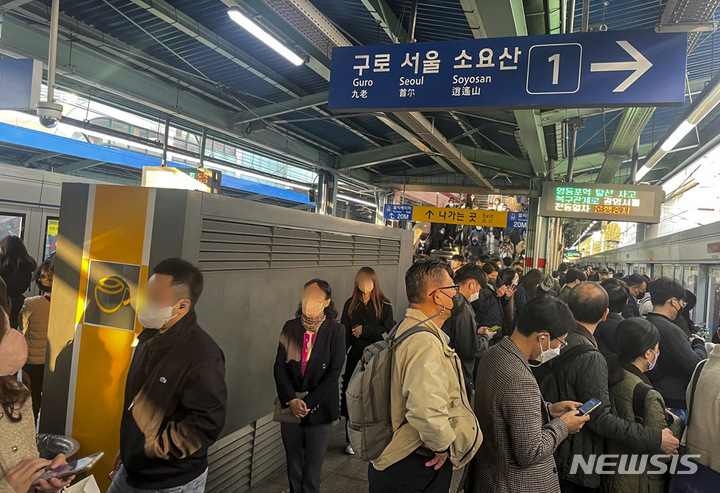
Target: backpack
368	395
546	375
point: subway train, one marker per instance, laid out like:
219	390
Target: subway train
692	257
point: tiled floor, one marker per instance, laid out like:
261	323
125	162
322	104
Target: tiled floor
341	473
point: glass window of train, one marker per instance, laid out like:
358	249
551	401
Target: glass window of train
714	298
12	223
690	277
668	271
51	234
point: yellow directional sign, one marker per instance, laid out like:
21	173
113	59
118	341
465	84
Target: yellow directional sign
497	219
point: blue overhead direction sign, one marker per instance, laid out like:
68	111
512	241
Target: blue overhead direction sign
394	212
20	82
517	220
602	69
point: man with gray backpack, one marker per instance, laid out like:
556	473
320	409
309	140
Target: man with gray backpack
409	413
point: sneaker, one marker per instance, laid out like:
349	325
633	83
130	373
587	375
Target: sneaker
349	450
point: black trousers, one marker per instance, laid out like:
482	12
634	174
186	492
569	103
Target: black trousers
410	475
305	448
35	374
570	487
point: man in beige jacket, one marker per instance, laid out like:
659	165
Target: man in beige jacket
434	426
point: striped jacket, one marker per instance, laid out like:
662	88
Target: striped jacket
520	437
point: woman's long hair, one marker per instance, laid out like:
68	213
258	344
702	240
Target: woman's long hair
330	311
13	394
12	253
376	295
530	282
633	337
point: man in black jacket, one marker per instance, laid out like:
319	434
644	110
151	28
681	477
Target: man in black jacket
636	285
175	396
585	377
681	354
605	333
461	326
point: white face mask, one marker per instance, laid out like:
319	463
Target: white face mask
651	364
515	282
312	308
366	287
547	355
474	296
152	317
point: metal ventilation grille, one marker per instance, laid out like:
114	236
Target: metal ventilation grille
246	458
229	245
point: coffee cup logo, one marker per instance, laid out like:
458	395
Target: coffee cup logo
112	293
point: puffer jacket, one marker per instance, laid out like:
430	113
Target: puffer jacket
34	318
581	379
621	399
429	405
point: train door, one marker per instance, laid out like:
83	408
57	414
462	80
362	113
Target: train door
713	301
52	222
12	222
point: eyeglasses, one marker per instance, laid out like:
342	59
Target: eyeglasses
562	342
454	287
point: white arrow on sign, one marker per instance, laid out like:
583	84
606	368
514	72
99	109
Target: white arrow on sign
639	66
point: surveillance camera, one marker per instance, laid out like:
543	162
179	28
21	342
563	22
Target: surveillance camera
49	114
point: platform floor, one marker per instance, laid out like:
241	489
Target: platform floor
341	473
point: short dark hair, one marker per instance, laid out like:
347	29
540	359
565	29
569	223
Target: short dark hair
563	267
663	289
575	275
634	280
185	275
617	292
459	258
506	277
555	274
489	268
44	274
610	269
470	271
518	263
507	261
546	314
421	275
588	302
484	258
633	338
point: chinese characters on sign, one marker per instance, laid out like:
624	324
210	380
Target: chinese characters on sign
631	203
471	217
614	68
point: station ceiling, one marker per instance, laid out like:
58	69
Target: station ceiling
188	60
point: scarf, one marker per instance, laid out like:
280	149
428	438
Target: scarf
312	324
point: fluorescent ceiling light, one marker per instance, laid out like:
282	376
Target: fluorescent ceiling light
257	31
641	173
681	131
357	201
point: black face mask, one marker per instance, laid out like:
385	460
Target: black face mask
457	305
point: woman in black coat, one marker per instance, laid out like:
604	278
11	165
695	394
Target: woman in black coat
367	315
307	370
16	269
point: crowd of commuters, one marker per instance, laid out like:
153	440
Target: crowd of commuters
491	375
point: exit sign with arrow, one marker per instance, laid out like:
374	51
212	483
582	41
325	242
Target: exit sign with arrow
601	69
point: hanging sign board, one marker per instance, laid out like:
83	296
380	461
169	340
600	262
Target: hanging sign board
395	212
602	202
496	219
601	69
517	220
20	82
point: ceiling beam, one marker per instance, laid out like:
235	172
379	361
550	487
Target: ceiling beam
629	129
280	108
389	22
507	18
552	117
496	160
13	4
40	157
76	166
372	157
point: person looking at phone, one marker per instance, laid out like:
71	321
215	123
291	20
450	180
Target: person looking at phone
521	429
489	304
637	343
20	465
175	395
580	374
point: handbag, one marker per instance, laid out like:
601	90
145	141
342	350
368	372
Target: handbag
704	479
87	485
284	414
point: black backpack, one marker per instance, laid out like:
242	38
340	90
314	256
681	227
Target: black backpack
546	374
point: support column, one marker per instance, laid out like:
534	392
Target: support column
322	194
532	232
380	201
331	198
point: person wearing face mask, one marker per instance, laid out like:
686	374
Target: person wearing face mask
636	286
466	339
474	249
310	357
175	395
522	430
680	354
434	427
638	350
488	307
20	464
580	373
367	317
456	262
